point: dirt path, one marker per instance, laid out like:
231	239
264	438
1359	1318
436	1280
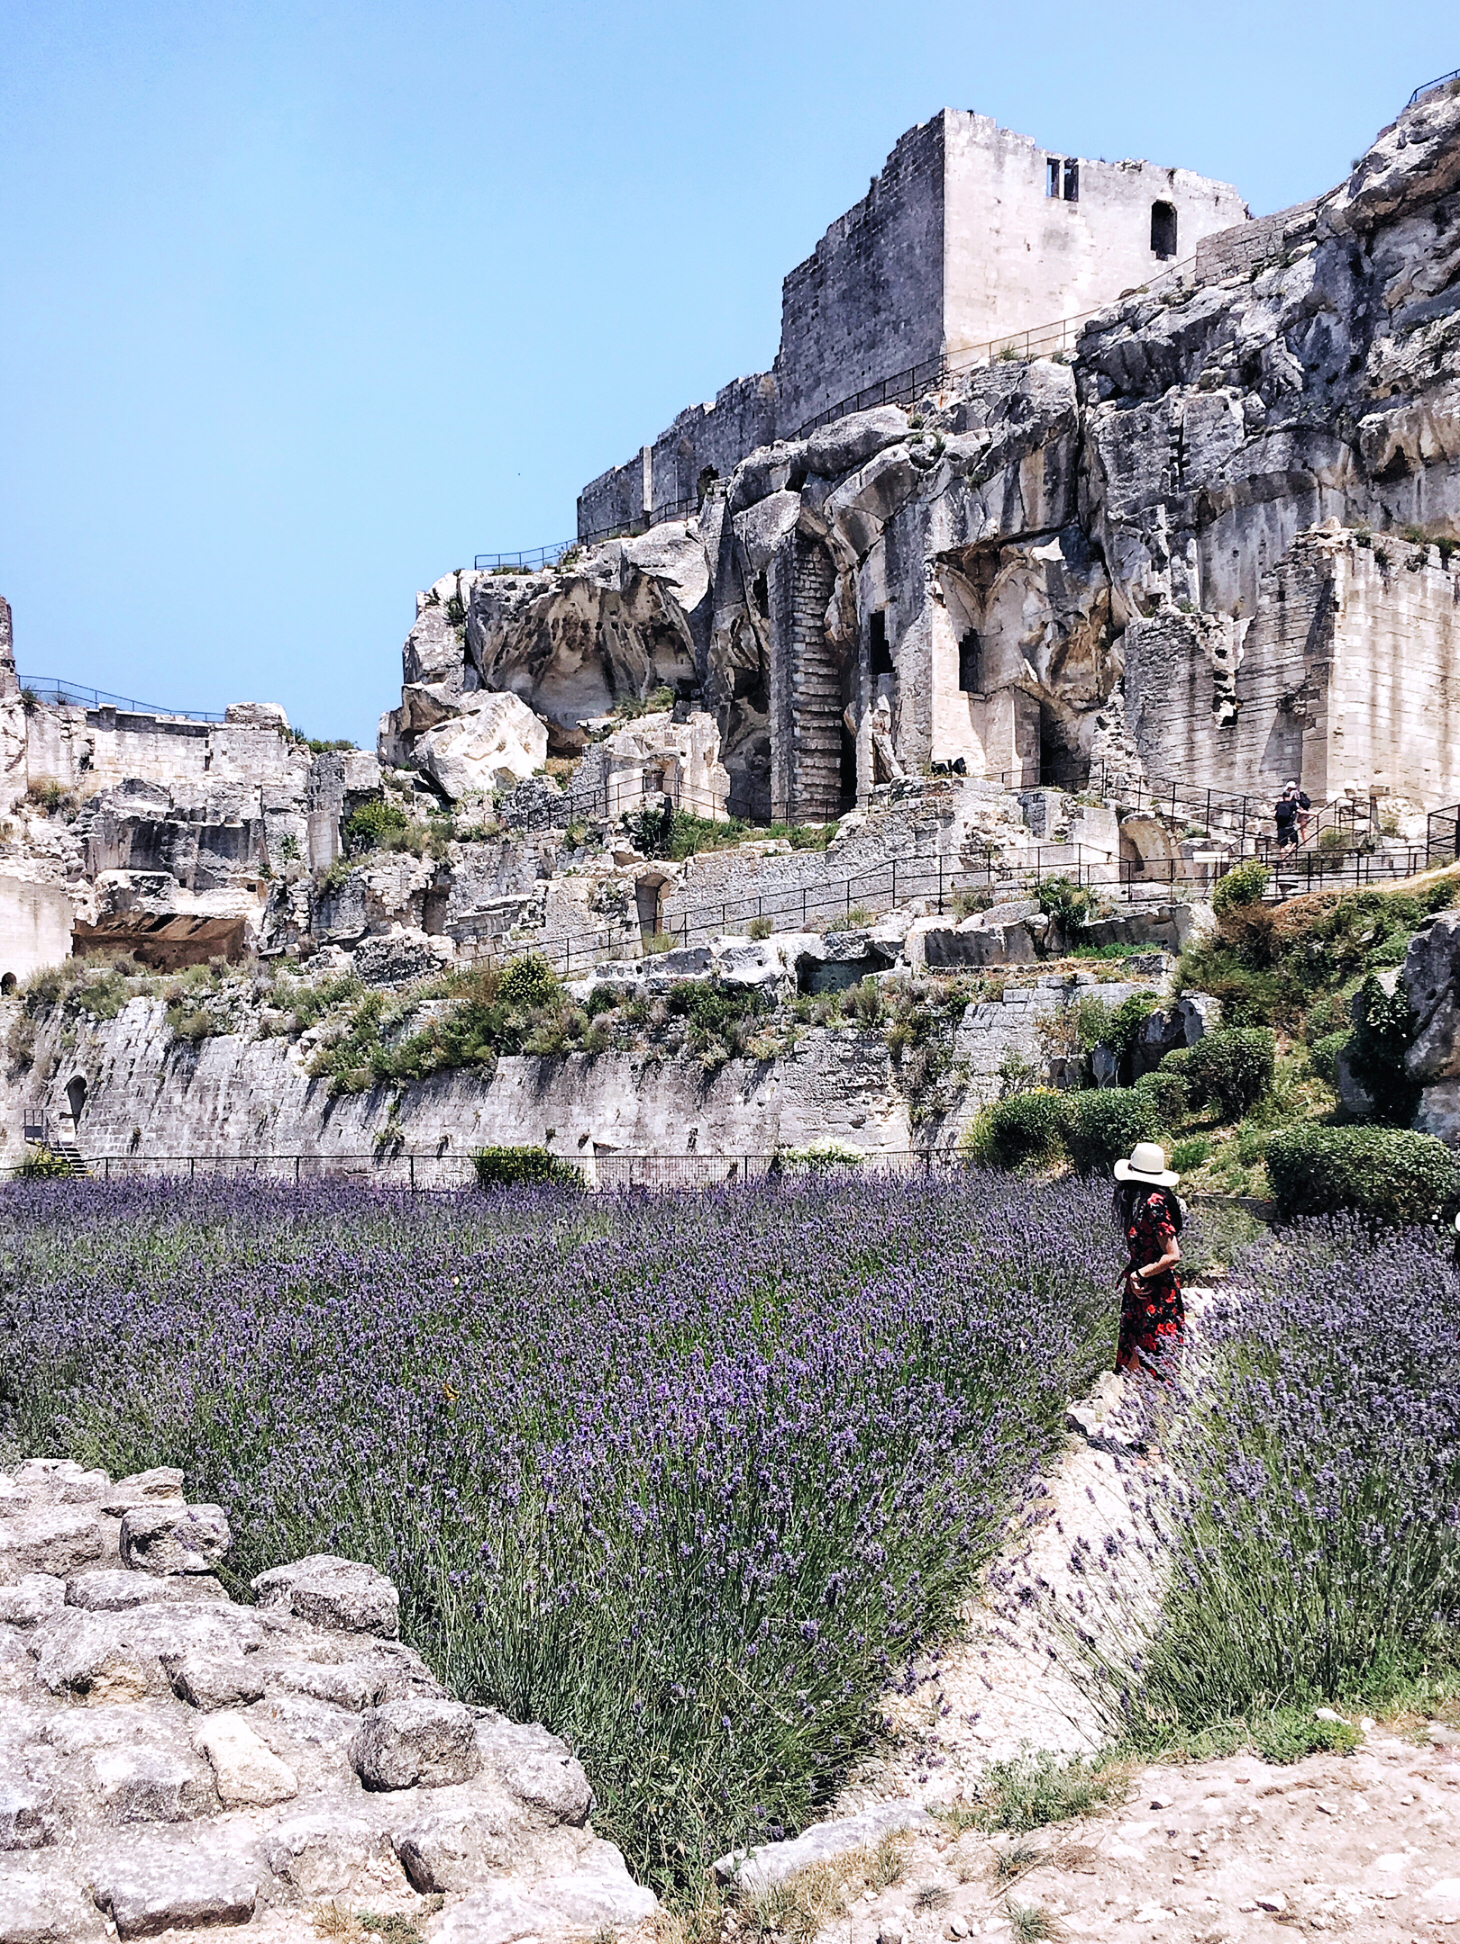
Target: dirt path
1012	1680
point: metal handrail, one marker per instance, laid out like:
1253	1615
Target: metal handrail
1430	86
56	689
625	530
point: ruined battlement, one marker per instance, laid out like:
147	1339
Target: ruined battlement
970	232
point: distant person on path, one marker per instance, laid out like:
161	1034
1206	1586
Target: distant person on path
1291	811
1148	1215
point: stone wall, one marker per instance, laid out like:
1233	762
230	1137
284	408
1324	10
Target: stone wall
1349	674
956	244
1247	247
869	300
1017	258
98	748
35	928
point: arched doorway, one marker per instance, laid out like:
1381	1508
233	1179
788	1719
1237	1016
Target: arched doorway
76	1097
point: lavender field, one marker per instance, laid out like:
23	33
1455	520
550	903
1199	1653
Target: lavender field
1312	1514
688	1478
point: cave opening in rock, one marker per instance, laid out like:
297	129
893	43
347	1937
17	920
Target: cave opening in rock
1059	764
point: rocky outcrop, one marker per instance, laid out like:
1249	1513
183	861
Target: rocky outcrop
170	1760
1051	563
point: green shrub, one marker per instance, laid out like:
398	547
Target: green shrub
509	1167
760	928
365	827
1168	1090
1032	1790
40	1164
1288	1734
820	1154
1244	884
1386	1174
1107	1124
1384	1026
1026	1128
1188	1155
1069	903
1231	1068
1323	1056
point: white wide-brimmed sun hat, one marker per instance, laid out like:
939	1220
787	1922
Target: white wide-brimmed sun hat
1147	1163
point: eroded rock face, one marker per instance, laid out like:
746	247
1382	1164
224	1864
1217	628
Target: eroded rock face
177	1761
974	580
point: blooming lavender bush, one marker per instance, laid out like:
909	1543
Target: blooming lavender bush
1314	1516
687	1478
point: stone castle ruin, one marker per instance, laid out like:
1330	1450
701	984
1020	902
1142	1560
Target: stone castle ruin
1031	564
1202	540
970	234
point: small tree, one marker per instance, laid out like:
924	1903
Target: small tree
1232	1068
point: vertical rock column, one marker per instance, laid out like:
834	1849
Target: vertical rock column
816	691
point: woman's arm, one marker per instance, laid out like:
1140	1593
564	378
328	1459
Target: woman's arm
1167	1261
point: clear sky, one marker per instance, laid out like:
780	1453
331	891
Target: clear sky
304	303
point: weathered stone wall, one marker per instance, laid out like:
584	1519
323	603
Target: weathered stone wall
35	928
98	748
869	300
1348	674
1017	258
955	244
1246	247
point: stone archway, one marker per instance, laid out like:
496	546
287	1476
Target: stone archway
76	1098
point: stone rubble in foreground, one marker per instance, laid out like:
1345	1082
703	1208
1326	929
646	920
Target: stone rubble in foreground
173	1761
1364	1847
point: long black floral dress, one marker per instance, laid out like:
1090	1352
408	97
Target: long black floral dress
1152	1314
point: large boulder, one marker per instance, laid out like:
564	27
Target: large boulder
493	744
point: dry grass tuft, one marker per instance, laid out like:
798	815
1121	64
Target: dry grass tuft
804	1904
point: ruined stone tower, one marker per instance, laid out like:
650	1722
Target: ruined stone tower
970	233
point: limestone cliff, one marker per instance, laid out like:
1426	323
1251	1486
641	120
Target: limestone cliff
1045	565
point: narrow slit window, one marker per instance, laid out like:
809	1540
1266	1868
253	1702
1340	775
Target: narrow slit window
1163	229
970	660
1072	182
1052	177
881	653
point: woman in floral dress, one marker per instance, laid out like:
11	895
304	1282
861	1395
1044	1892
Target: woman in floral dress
1152	1314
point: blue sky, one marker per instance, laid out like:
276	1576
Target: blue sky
304	304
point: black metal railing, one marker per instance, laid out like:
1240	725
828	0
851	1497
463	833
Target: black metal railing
952	888
551	556
433	1173
1440	81
56	689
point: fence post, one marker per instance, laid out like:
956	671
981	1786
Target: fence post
296	1171
940	884
192	1166
413	1173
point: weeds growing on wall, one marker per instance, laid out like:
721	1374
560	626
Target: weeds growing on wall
686	1478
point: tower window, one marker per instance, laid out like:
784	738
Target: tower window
1072	182
970	659
1163	229
881	653
1052	176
